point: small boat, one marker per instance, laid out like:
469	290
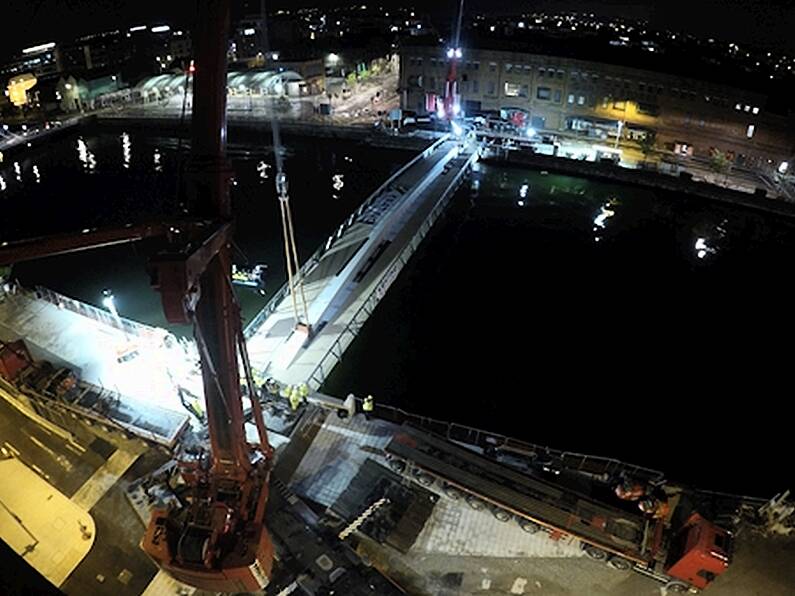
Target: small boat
250	278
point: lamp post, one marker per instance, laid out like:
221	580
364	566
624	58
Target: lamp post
618	134
108	301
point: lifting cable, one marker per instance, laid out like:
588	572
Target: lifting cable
294	276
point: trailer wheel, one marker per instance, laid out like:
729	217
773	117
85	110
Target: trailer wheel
424	479
452	492
475	503
676	586
528	526
397	465
501	514
619	563
597	554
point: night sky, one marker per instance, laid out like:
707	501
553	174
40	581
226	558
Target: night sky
763	22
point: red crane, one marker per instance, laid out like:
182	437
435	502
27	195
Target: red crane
216	540
451	104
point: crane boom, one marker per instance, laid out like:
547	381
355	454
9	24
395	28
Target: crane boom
216	540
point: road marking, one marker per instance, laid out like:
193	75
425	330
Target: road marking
103	479
76	445
72	449
11	448
40	444
519	585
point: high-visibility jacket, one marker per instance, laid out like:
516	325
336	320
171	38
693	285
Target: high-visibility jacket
303	389
368	404
295	400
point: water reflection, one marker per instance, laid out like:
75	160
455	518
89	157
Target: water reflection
18	171
126	150
263	168
86	157
3	184
37	174
709	237
337	183
158	161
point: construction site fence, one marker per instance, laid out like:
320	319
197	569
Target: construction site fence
310	263
131	328
351	330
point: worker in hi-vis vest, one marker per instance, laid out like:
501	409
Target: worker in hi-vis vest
368	406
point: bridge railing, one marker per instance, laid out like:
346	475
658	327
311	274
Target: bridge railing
127	326
310	263
351	330
605	467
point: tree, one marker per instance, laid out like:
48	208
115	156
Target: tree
720	163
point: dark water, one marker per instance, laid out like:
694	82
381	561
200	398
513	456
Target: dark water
647	344
100	183
514	317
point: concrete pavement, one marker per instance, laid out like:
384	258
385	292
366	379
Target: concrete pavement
105	477
41	524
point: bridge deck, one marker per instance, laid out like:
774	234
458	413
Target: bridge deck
358	261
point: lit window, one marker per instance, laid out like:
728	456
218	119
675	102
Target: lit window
738	107
571	97
514	90
747	108
755	110
581	100
750	132
544	93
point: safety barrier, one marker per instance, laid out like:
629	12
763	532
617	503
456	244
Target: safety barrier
460	433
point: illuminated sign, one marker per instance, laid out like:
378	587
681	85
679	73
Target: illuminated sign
18	89
160	29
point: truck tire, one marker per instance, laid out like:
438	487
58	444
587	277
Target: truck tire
425	479
475	503
528	526
597	554
619	563
452	492
500	514
397	465
676	587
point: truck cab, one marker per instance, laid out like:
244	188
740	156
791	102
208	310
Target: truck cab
699	552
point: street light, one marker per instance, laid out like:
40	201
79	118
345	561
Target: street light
618	135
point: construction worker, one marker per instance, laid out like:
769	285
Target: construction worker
295	398
656	508
286	391
303	390
629	490
368	406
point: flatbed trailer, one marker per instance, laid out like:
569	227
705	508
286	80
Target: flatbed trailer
606	531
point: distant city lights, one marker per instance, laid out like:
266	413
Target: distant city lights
160	29
137	28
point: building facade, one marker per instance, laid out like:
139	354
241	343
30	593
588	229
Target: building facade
565	95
